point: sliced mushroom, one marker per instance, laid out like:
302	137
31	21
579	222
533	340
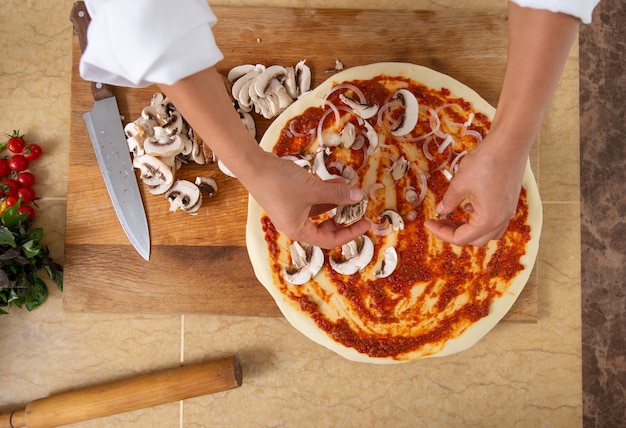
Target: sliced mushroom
280	92
163	145
239	71
306	262
248	121
389	263
372	136
303	77
348	135
304	163
263	82
174	124
244	81
319	166
389	221
411	113
290	82
197	154
155	173
184	195
207	185
399	168
365	111
348	214
225	169
355	255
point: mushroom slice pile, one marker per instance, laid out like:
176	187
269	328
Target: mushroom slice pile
161	141
268	90
355	255
306	262
184	195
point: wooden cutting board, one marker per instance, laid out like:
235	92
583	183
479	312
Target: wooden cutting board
199	264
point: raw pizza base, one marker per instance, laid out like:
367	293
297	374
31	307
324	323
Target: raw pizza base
258	252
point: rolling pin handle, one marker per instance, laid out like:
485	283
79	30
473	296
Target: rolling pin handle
15	419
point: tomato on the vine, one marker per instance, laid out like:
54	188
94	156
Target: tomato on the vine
16	142
26	178
26	209
10	186
32	151
11	200
26	193
18	163
5	169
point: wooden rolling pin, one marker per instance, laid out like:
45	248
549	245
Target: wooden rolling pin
128	394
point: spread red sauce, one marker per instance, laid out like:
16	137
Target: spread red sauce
449	288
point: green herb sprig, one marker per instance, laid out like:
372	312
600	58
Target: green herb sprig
22	257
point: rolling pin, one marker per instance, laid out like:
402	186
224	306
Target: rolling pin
128	394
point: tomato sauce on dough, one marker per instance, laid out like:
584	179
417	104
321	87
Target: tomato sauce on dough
437	290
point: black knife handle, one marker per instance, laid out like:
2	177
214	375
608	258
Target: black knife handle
80	18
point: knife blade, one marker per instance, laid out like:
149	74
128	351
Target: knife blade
106	132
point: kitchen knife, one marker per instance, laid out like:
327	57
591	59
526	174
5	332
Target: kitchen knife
109	142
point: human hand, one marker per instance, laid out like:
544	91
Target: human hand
488	184
290	196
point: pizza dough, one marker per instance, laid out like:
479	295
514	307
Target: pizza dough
261	259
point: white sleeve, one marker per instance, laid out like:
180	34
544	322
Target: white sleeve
140	42
579	8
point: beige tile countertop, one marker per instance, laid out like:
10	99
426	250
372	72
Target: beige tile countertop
518	375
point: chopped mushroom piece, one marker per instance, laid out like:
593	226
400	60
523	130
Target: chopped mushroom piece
184	195
207	184
155	173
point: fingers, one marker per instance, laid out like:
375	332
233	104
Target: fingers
328	234
453	197
337	192
464	233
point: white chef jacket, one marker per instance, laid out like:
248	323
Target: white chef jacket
140	42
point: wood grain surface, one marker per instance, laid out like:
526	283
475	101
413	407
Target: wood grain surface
199	264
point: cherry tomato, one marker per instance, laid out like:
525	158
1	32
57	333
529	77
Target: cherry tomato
5	169
11	186
11	200
16	144
26	178
26	209
26	193
18	163
32	151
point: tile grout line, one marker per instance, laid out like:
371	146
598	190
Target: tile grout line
182	360
182	339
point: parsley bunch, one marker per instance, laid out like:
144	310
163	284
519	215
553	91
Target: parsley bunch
22	257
